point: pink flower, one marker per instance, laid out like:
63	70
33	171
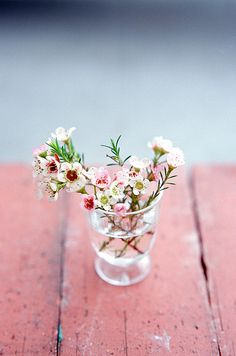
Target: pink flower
156	170
122	177
101	178
120	209
40	149
88	202
133	175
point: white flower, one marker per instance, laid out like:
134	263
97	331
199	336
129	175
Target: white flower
139	185
62	134
175	158
139	163
50	166
49	188
122	177
71	174
116	190
105	200
45	166
160	144
102	178
133	175
91	173
38	167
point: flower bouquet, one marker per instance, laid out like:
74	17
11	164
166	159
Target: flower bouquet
122	199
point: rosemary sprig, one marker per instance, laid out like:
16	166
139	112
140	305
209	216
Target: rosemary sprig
115	150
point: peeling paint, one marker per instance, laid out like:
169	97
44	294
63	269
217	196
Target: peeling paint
163	340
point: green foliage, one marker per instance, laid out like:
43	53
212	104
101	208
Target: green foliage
66	152
165	177
43	154
115	150
156	158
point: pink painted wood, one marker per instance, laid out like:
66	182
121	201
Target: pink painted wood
216	206
29	266
166	313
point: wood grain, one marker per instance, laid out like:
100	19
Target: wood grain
30	250
168	313
215	195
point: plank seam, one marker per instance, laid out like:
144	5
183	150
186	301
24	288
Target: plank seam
203	263
62	233
125	330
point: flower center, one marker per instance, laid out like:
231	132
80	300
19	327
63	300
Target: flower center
104	200
89	203
139	185
102	181
71	175
52	167
133	174
115	191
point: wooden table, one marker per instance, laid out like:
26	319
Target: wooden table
52	302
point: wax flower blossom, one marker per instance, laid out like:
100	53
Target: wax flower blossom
138	163
90	173
50	165
160	145
116	190
37	151
37	165
122	177
139	185
71	175
88	202
48	187
175	158
63	135
156	169
133	175
120	209
101	178
134	184
105	200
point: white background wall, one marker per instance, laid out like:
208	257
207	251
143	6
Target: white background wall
136	68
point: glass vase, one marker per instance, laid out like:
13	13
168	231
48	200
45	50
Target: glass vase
123	243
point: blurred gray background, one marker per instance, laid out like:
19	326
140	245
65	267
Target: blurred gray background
136	68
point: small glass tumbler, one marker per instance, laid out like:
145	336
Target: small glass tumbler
123	243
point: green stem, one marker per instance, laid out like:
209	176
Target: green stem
95	190
159	188
106	243
128	242
134	246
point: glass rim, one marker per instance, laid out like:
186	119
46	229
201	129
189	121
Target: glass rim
155	201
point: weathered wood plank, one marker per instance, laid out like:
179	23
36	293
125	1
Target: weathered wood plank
215	193
29	266
166	313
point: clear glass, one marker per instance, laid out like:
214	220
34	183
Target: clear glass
123	243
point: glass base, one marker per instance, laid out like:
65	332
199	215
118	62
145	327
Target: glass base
123	275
